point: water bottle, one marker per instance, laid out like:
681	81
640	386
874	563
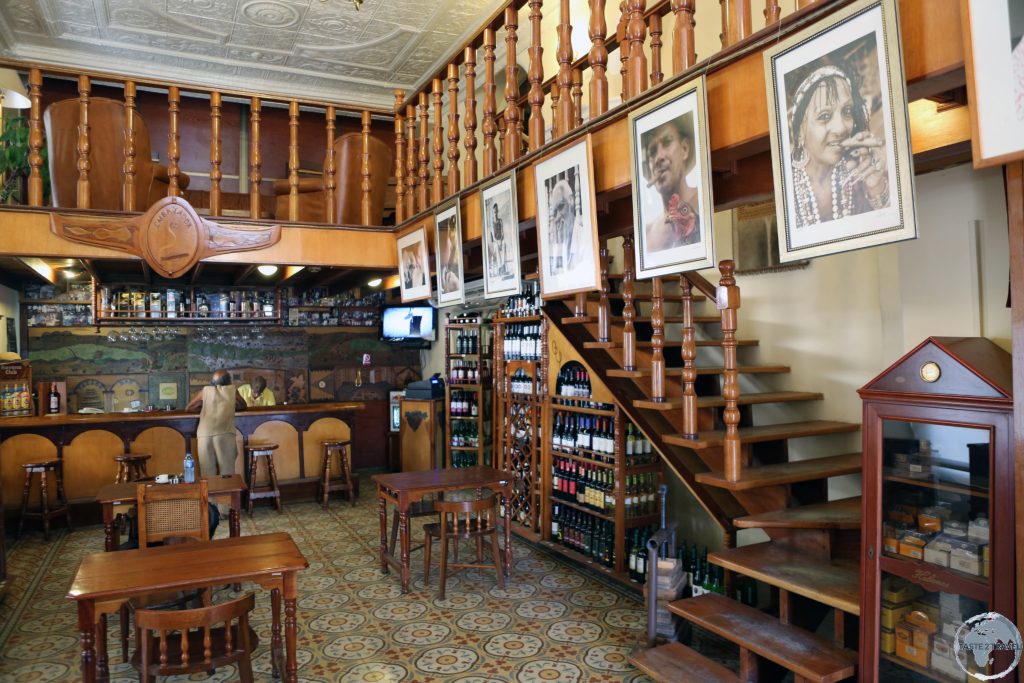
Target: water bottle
190	469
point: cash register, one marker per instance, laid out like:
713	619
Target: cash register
426	389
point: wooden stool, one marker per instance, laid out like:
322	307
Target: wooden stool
253	451
344	482
44	513
131	467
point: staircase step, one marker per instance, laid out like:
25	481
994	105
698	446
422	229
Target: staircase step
833	514
785	473
750	399
835	583
669	319
777	432
673	371
647	345
579	320
806	654
674	662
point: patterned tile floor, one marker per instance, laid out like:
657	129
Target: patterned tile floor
552	622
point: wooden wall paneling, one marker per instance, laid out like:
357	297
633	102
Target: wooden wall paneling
287	458
89	463
128	186
322	430
369	439
14	452
560	352
167	446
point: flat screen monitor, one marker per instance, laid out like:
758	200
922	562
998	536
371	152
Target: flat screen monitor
409	324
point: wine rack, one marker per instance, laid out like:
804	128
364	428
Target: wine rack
468	394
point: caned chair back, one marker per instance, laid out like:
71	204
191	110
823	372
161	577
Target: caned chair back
186	641
172	510
468	518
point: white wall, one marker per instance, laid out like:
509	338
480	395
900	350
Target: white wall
8	309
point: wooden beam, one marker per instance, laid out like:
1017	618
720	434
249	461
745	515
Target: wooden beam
246	272
89	267
195	273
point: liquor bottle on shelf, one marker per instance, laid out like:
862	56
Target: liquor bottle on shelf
53	400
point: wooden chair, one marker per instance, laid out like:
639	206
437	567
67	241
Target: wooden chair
464	519
348	181
189	641
106	155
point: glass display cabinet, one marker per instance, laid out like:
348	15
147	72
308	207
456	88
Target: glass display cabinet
938	513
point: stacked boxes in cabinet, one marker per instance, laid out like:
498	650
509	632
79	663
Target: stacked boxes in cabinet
468	394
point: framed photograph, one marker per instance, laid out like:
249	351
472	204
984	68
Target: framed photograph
501	238
840	141
755	241
414	266
994	62
672	204
448	232
567	221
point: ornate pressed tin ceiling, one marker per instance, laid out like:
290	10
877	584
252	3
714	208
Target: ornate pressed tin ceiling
296	48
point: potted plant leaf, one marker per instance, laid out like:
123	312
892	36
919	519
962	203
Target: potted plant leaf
14	166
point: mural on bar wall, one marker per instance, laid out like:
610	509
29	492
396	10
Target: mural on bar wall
299	365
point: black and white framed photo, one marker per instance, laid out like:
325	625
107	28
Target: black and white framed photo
672	204
414	266
501	238
448	231
839	135
566	221
994	61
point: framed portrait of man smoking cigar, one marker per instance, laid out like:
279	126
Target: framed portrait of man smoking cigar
840	145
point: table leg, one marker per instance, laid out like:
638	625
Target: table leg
102	669
275	632
508	531
108	527
86	633
290	627
233	516
383	508
404	532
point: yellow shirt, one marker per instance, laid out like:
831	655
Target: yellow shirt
266	398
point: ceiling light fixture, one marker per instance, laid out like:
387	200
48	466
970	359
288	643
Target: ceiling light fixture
69	274
267	271
375	282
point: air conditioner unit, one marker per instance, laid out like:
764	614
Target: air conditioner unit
473	297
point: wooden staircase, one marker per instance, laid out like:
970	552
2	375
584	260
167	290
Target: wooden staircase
704	429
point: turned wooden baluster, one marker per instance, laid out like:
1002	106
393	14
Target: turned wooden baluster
579	305
729	302
255	160
330	183
636	31
293	161
735	21
620	37
689	354
423	188
656	74
657	341
437	146
598	59
173	142
772	12
683	42
410	161
84	164
367	184
216	175
490	126
800	4
513	122
604	333
565	116
536	77
469	166
453	129
502	129
628	309
399	158
128	189
35	138
577	97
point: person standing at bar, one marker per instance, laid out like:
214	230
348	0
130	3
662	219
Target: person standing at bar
216	405
256	393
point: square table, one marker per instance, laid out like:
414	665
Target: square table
225	486
104	581
402	489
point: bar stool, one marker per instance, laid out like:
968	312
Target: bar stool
44	513
253	452
131	467
344	482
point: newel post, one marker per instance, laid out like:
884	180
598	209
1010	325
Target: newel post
728	301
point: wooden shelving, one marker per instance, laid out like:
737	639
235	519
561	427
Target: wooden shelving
467	393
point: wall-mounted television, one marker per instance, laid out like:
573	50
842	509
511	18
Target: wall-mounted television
409	324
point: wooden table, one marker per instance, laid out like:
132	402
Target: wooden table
104	581
402	489
110	495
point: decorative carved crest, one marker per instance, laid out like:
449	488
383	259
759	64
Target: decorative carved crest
171	237
415	418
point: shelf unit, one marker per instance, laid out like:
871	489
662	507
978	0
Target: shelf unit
140	305
468	392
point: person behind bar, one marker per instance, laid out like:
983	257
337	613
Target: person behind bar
256	393
216	405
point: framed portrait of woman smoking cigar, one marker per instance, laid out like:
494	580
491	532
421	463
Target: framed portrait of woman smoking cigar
840	140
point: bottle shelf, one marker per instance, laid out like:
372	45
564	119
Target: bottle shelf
936	577
603	412
936	485
555	500
588	561
515	320
583	459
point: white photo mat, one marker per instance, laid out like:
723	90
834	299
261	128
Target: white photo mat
413	266
448	236
500	225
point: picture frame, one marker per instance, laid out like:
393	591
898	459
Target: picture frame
568	254
839	133
413	266
755	241
993	60
670	164
499	220
448	259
